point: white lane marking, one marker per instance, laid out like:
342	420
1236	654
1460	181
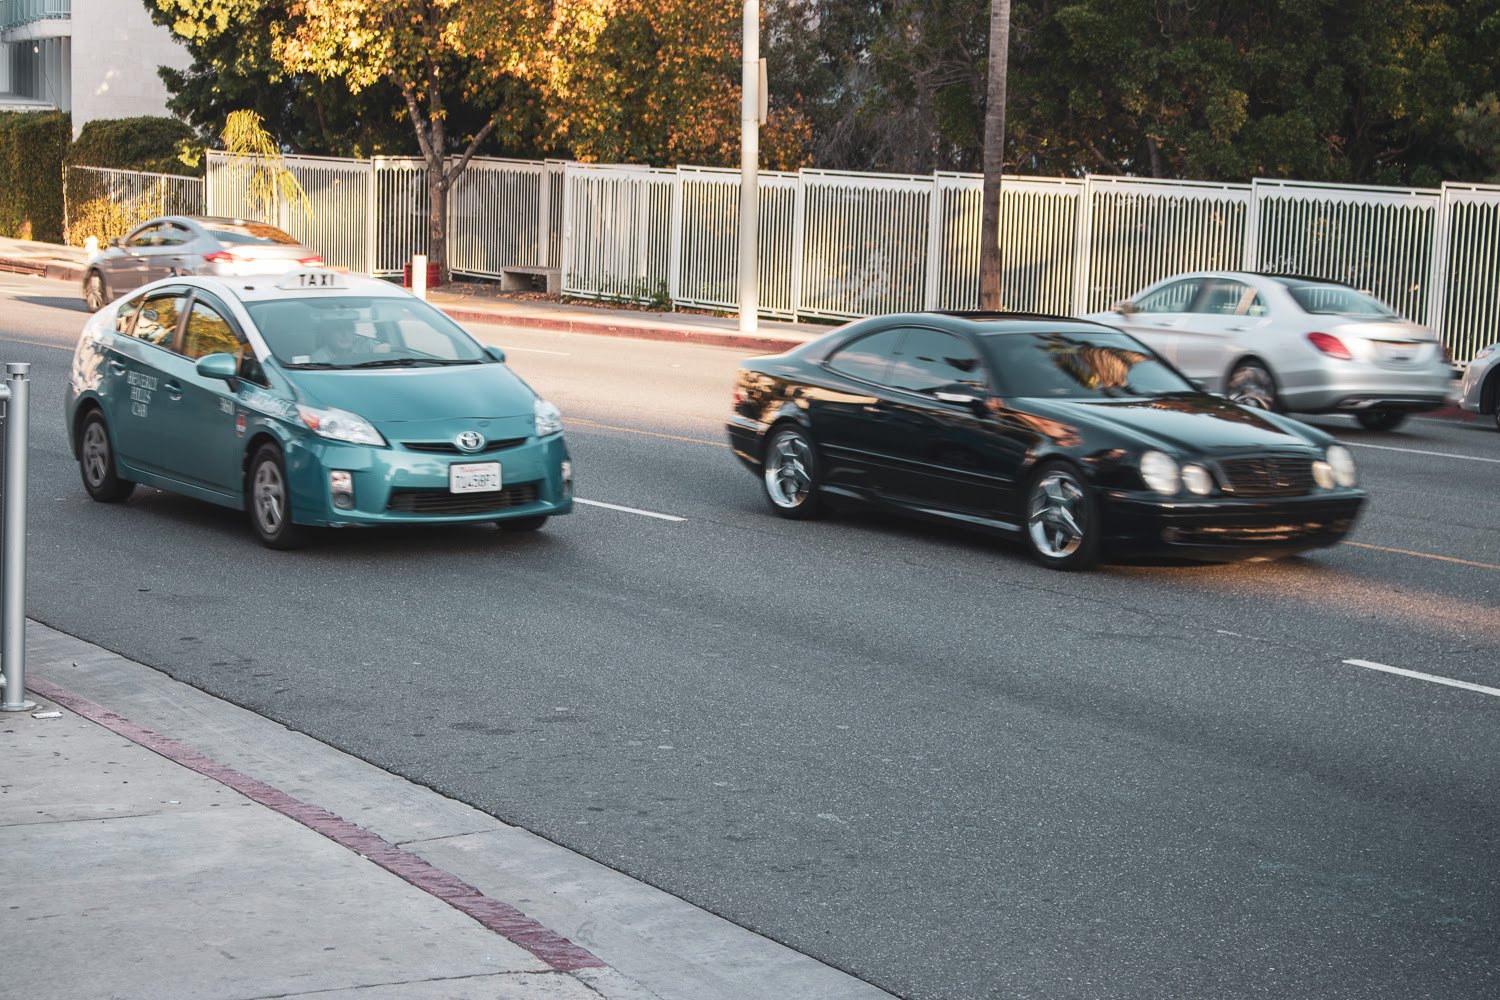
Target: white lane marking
1419	451
629	510
1368	665
538	350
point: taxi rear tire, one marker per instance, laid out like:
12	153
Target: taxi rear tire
268	501
521	524
96	462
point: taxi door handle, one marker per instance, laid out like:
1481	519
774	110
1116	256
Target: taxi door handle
117	367
173	390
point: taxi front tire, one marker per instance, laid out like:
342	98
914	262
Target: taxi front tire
268	500
96	462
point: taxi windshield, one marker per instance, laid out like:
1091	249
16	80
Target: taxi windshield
361	332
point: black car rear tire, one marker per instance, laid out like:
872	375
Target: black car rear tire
1380	420
95	292
268	500
1060	518
791	475
1252	384
96	462
522	524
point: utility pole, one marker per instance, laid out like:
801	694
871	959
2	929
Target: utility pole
991	295
751	100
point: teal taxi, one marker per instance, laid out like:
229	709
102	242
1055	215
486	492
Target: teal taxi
310	398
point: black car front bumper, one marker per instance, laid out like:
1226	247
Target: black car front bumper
1222	529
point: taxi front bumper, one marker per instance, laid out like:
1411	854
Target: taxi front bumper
394	485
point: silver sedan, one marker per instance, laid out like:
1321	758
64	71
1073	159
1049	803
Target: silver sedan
1480	392
190	244
1299	345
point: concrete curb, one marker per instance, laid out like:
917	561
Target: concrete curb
42	269
607	328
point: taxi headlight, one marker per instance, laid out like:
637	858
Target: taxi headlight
1342	463
340	425
548	418
1160	473
1198	480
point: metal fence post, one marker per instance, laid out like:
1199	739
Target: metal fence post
13	542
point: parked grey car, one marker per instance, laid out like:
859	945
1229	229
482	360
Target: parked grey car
190	244
1480	391
1302	345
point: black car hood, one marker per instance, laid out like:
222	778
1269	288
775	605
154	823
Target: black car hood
1182	424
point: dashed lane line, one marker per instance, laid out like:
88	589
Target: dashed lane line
629	510
1423	555
1430	678
637	430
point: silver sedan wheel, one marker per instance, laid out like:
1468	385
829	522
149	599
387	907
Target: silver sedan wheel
269	492
96	457
1252	385
1056	516
788	470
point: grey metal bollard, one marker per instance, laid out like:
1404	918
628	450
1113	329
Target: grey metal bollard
16	396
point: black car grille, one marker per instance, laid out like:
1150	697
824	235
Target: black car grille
449	448
443	502
1267	476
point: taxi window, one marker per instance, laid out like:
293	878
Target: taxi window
157	321
365	331
209	333
125	313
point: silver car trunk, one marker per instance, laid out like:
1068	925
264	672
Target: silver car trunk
1396	344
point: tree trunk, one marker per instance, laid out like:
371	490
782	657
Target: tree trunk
990	292
437	218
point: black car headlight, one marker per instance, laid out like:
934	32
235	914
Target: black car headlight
1160	473
1198	480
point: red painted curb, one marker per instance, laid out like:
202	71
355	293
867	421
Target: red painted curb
502	918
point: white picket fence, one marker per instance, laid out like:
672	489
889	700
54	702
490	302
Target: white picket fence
839	245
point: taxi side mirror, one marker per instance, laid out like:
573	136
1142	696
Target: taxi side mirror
495	352
224	366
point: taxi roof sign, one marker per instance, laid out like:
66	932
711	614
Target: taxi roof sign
312	278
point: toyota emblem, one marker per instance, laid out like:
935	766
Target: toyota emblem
469	441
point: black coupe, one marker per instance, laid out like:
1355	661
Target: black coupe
1072	435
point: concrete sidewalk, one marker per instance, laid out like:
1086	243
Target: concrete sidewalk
483	302
162	844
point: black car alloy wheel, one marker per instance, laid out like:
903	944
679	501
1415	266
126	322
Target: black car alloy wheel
791	474
1062	518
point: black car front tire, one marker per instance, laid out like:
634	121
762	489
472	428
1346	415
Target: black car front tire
268	500
96	462
791	474
1060	518
1380	419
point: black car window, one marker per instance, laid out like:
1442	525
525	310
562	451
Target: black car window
1174	298
209	333
868	358
933	361
144	237
1080	364
157	321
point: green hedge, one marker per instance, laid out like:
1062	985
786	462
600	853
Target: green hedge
32	147
146	143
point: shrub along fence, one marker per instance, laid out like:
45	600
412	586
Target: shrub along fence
838	245
32	147
107	204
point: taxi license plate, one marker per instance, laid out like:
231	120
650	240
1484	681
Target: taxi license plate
474	477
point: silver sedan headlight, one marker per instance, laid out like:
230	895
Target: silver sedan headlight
1342	464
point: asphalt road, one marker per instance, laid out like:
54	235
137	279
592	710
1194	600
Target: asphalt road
902	749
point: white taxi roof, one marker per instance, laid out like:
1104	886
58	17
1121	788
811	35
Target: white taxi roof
312	282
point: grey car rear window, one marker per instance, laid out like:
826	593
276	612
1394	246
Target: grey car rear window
1337	300
249	232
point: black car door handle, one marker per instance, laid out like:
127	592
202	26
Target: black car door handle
173	390
117	367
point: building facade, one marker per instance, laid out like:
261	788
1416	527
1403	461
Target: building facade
92	58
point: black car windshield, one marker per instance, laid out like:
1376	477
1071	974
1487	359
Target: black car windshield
361	332
1080	364
1337	300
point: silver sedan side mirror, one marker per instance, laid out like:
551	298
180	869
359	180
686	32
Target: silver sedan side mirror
1124	307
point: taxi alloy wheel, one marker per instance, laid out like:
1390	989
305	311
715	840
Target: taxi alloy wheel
270	503
96	461
791	474
1062	519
